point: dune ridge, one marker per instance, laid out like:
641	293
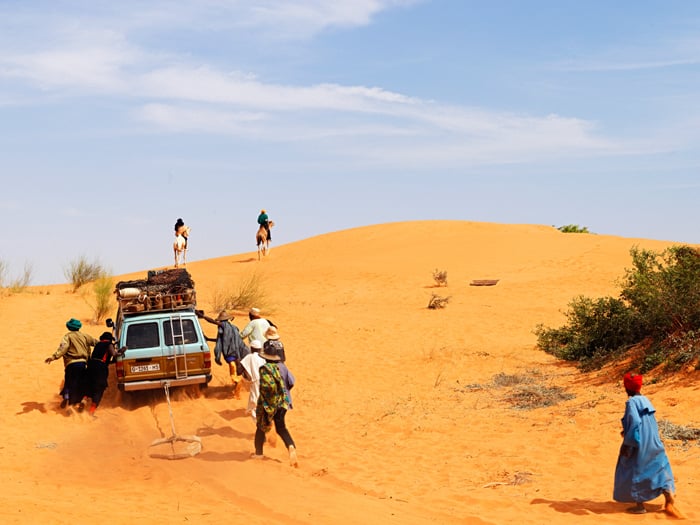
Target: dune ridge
397	416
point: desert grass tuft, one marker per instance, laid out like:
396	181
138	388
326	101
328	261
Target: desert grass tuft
245	294
80	272
20	283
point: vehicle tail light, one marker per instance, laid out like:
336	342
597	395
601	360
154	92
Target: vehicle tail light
207	359
119	369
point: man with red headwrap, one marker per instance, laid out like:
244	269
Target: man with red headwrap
643	471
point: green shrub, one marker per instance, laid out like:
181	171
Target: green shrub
80	271
663	288
573	228
659	305
595	328
103	288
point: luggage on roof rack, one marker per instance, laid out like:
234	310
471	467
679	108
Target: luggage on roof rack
162	290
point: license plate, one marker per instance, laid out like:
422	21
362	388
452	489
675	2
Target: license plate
145	368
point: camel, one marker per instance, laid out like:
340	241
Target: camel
180	246
262	240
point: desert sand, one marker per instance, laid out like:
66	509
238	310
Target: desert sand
396	414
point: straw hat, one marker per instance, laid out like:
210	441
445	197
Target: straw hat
272	334
224	316
269	356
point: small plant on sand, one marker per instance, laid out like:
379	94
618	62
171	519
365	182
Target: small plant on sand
502	379
527	397
18	284
440	277
526	392
248	292
80	271
573	228
436	302
3	272
678	432
103	287
100	297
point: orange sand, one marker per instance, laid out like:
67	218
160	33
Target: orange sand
396	418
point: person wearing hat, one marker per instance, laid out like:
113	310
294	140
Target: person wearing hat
643	471
75	350
273	403
264	220
251	372
229	344
103	354
273	345
256	327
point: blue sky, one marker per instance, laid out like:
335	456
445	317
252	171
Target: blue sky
116	118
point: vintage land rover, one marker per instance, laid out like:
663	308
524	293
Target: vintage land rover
157	326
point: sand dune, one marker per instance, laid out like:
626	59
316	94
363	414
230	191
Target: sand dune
397	417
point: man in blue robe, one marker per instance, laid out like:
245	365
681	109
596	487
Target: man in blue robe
643	471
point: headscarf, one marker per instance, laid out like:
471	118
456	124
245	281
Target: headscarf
633	382
74	325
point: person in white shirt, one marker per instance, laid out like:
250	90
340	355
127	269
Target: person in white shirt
256	328
251	365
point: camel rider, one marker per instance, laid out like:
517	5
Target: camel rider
181	229
263	220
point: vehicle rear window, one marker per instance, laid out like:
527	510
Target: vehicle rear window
182	330
142	335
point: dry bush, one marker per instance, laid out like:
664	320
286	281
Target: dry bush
18	284
502	379
79	272
527	391
440	277
243	295
678	432
537	396
437	301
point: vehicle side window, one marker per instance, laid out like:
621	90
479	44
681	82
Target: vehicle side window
142	335
183	330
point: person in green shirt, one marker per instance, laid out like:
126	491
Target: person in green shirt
75	351
264	220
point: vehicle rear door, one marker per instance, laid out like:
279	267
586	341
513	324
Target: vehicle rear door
144	359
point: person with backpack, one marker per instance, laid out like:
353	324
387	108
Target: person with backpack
273	402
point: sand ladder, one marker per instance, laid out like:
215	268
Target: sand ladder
175	446
177	335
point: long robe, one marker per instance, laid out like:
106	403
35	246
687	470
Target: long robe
252	363
643	471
